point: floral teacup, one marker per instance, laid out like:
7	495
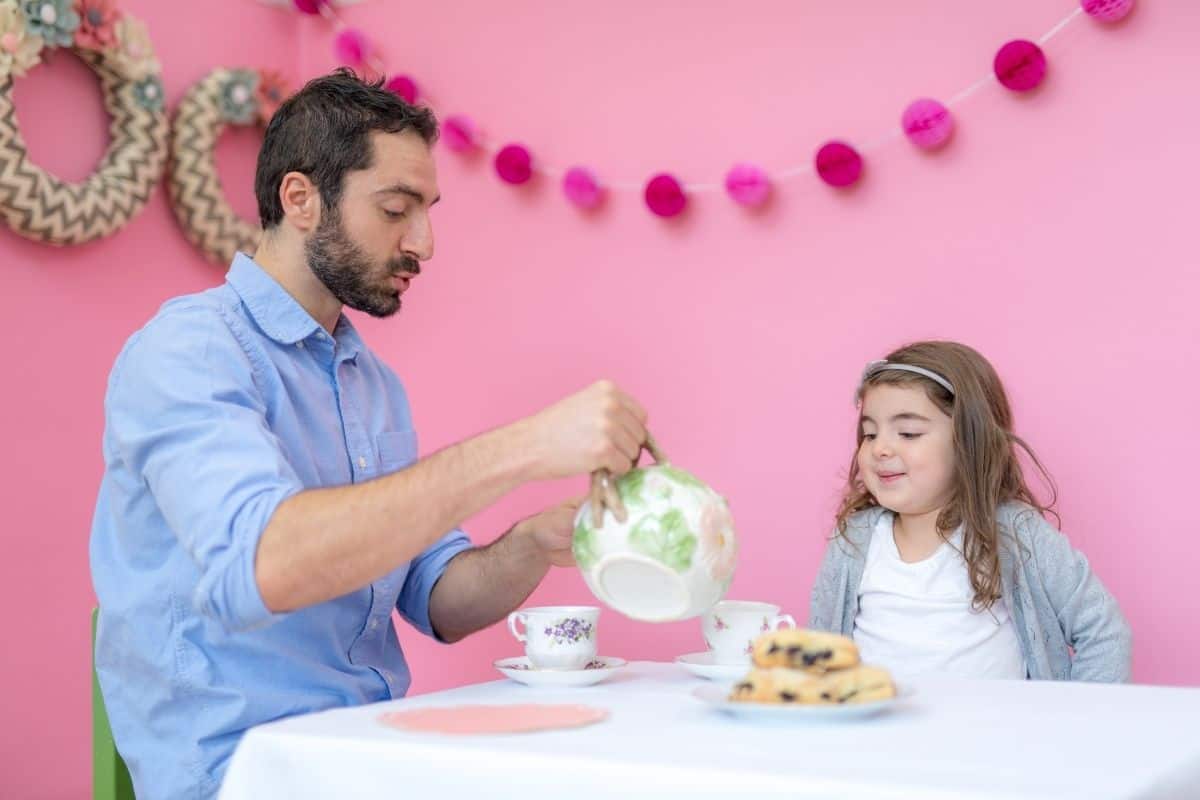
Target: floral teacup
731	626
557	637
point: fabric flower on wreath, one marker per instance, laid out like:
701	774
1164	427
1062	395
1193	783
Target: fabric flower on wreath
97	24
149	93
132	54
239	101
20	50
272	91
54	21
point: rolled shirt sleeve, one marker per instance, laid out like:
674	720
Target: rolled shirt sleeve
423	575
186	415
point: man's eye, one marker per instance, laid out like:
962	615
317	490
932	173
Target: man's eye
393	214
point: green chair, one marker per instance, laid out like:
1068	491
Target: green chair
110	776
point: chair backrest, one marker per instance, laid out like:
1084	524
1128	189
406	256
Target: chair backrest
110	776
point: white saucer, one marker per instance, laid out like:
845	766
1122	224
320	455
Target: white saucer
718	698
705	665
521	671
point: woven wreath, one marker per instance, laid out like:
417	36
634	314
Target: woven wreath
33	202
223	97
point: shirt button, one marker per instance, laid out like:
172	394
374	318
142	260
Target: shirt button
300	345
362	462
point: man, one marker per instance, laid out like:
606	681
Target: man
262	510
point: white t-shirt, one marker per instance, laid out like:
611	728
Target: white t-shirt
916	619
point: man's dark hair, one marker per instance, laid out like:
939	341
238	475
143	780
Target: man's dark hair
323	131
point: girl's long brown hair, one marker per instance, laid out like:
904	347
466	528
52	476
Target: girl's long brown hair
986	470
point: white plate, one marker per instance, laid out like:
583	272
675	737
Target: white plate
705	665
718	698
520	670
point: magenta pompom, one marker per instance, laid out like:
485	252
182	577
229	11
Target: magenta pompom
514	164
308	6
927	123
351	47
404	87
664	195
748	185
581	187
839	164
459	133
1107	10
1020	65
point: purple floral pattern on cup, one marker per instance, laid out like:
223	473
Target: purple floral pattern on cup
569	631
720	624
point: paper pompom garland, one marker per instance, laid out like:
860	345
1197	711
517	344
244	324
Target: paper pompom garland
1019	66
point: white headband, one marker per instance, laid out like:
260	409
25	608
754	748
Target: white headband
876	367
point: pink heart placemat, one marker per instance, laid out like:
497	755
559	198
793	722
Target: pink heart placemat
480	719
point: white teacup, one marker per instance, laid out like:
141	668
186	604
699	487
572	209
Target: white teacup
557	637
731	626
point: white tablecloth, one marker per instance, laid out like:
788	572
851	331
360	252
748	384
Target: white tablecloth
950	739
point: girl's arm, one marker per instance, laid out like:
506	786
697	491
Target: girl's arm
1090	618
823	603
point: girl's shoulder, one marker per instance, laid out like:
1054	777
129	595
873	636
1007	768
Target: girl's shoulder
1033	535
859	527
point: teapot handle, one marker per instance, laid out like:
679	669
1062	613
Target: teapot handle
604	490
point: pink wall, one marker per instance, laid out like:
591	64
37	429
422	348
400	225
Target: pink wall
1056	234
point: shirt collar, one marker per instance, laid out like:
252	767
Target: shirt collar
276	312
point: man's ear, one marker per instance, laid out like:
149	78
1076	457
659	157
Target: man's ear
301	201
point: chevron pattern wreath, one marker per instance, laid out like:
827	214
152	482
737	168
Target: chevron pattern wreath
35	203
223	97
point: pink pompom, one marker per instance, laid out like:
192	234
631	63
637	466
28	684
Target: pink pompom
839	164
748	185
309	6
581	188
514	164
459	134
927	123
403	86
1107	10
351	47
665	196
1020	65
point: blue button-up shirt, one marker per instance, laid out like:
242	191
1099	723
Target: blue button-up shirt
225	404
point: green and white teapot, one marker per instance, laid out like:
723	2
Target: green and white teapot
674	555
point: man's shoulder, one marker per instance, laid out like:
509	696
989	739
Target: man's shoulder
182	331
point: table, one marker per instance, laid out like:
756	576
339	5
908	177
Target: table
948	739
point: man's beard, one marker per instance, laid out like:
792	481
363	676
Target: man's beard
349	274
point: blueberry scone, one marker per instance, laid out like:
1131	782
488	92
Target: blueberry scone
754	688
809	650
861	684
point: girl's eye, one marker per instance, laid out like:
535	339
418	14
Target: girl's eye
867	437
911	435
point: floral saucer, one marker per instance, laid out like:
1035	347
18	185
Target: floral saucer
521	671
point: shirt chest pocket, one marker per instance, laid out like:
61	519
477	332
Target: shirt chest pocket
397	450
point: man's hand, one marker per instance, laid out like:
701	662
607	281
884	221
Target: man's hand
551	532
600	427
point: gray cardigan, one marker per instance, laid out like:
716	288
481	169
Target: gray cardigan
1056	603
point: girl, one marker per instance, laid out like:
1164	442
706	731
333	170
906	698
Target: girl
942	560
